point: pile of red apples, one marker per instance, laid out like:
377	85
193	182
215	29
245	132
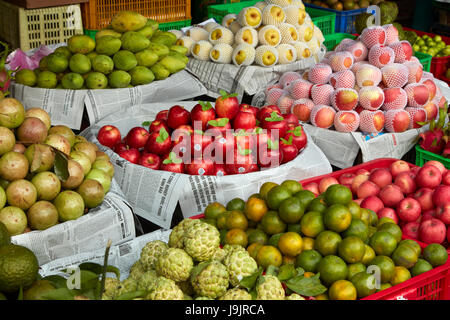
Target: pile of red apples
416	198
371	84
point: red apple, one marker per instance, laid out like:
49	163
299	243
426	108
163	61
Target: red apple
443	213
244	120
218	127
429	176
243	140
201	167
408	209
405	181
201	114
359	179
275	125
362	171
391	195
373	203
182	133
411	230
313	187
446	178
324	183
137	137
427	215
298	135
441	195
432	231
172	163
178	116
270	156
291	118
199	142
398	166
119	147
109	136
150	160
266	111
131	155
381	177
367	188
437	164
448	234
223	148
347	178
388	213
414	171
425	198
227	105
243	107
288	150
159	143
243	162
162	115
157	125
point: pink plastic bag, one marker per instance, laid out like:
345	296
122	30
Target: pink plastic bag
20	60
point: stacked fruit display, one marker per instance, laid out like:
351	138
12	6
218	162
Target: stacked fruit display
47	173
265	34
371	84
132	52
229	138
417	198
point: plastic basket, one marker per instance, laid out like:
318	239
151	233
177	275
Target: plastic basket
438	65
30	28
332	40
345	20
97	14
423	156
323	20
425	60
162	26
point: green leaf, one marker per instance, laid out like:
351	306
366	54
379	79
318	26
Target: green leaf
274	117
61	165
213	123
286	272
200	132
258	130
146	123
243	152
36	162
223	93
98	268
20	295
206	105
163	135
88	280
57	281
273	145
100	288
132	295
59	294
223	122
310	287
297	131
271	270
249	282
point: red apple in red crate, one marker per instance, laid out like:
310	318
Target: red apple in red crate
200	167
227	105
367	188
446	178
137	137
362	171
408	210
373	203
275	125
359	179
325	182
244	120
432	231
429	177
425	198
162	115
288	150
443	213
131	155
243	107
202	113
411	229
157	125
299	137
219	126
441	195
313	187
178	116
381	177
172	163
405	181
109	136
347	178
388	213
391	195
150	160
159	143
398	166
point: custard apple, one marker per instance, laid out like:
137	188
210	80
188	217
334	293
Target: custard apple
201	240
150	253
219	255
165	289
111	288
239	265
177	235
175	264
204	298
136	270
294	296
236	294
127	285
186	287
269	288
147	280
229	249
210	279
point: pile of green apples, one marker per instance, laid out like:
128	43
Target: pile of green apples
434	46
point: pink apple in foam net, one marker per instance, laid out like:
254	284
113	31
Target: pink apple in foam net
373	203
381	177
405	181
368	188
388	213
432	231
408	209
391	195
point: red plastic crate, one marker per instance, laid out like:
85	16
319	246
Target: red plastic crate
438	64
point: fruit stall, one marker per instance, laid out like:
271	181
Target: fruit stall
277	150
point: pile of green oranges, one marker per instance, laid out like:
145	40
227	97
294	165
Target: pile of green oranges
329	234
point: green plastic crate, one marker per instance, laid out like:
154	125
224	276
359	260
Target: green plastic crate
162	26
425	60
331	40
423	156
323	20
